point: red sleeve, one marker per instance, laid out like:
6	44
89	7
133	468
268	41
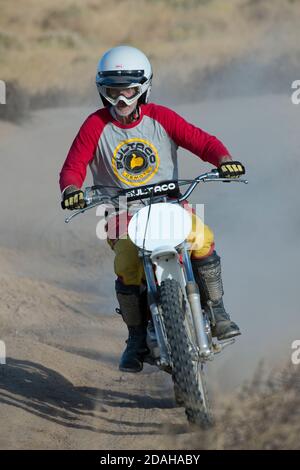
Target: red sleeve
82	151
188	136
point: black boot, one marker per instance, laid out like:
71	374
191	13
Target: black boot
134	316
207	272
133	357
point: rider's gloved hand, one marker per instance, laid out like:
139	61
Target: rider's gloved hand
231	169
73	198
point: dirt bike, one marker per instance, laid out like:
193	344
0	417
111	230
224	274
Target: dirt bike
179	330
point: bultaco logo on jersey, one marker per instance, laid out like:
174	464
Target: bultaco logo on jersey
135	161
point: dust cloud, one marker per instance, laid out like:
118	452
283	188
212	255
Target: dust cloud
256	229
248	106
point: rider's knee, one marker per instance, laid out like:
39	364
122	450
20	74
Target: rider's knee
204	252
201	239
127	264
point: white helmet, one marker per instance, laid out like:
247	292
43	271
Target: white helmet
124	67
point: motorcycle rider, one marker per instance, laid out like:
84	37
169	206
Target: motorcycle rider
128	143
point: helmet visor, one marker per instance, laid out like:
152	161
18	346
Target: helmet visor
120	77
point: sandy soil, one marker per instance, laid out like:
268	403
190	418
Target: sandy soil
61	387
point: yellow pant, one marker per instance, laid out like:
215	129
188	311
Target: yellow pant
129	267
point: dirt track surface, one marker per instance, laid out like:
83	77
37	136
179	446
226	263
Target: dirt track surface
61	387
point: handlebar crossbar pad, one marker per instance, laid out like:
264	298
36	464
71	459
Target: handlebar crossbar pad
165	188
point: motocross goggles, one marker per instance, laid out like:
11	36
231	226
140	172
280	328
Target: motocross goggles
115	94
125	85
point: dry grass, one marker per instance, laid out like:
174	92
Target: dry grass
55	45
265	414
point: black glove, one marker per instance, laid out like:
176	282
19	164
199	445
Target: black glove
231	169
73	199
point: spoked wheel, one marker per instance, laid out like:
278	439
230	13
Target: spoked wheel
187	374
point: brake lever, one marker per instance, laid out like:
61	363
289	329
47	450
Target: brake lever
90	204
80	211
225	180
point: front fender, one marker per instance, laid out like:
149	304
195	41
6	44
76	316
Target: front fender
167	265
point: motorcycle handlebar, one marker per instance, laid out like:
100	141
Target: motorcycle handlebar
97	199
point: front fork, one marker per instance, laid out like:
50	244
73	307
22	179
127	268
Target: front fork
202	329
153	299
168	265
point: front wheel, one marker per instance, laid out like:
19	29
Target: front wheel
186	372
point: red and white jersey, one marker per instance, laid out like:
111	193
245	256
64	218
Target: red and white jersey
143	152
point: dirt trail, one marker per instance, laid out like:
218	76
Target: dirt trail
61	387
